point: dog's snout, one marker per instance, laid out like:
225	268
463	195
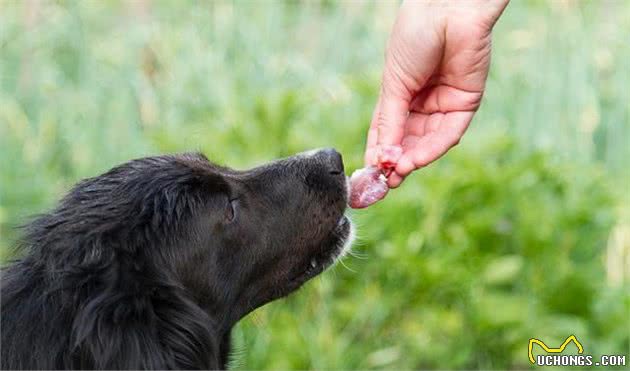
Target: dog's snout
333	161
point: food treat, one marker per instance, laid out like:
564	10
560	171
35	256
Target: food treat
369	185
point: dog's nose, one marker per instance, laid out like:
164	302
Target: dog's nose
333	160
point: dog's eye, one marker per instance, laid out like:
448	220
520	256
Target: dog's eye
232	209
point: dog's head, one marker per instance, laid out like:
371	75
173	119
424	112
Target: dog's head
264	232
234	240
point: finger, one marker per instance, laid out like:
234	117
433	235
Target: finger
394	180
418	125
405	165
495	9
369	157
393	111
421	151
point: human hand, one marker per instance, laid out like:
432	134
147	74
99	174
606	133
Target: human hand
434	77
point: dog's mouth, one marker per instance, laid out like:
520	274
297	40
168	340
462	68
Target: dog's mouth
337	246
343	229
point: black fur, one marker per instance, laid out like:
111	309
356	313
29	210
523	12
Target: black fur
152	263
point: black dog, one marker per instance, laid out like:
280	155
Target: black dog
151	264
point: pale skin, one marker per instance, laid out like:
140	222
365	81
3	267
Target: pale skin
435	72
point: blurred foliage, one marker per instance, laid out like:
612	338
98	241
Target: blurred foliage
520	232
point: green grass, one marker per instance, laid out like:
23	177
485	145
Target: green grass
519	232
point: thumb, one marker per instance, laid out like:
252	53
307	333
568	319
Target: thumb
392	113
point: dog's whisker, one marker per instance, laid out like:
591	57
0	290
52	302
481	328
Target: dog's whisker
345	266
358	255
334	271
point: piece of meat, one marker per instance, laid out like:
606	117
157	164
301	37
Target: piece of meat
369	185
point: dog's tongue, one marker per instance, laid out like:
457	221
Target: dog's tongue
369	185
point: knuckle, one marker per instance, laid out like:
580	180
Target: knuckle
474	101
421	160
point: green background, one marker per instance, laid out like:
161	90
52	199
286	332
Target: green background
521	231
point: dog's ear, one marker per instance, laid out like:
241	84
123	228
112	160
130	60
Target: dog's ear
146	332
